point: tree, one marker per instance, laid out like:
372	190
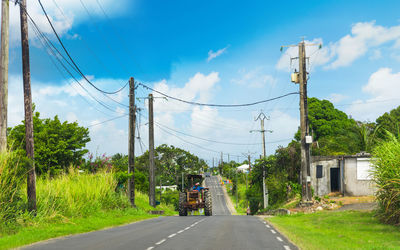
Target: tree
390	122
57	145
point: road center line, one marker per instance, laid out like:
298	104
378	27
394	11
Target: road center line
286	247
160	242
268	226
187	228
180	231
279	238
149	248
273	231
172	235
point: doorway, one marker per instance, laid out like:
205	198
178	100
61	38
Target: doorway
335	179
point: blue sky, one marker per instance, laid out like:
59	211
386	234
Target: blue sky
215	52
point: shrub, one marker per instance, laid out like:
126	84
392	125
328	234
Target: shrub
386	175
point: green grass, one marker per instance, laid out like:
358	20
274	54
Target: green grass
100	220
241	208
338	230
69	204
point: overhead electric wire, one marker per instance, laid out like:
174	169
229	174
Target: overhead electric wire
194	144
216	105
46	43
72	60
60	71
112	119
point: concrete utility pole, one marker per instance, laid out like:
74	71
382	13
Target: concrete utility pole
5	8
31	185
262	117
152	181
306	140
131	153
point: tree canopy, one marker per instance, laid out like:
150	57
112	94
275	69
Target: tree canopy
57	144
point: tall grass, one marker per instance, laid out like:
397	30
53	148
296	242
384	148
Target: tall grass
78	194
12	175
386	174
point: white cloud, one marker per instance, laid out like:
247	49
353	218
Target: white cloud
336	98
363	37
72	13
212	54
381	86
255	78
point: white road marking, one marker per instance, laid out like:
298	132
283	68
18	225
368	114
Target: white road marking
264	222
286	247
279	238
268	226
160	242
172	235
180	231
273	231
149	248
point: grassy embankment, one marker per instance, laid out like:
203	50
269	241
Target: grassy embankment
67	204
241	207
338	230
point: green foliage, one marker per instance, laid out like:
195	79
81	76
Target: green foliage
389	122
12	177
386	175
57	145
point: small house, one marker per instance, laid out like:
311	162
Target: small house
348	174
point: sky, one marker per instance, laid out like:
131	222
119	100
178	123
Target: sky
220	52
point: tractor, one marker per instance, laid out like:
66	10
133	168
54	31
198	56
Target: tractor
192	200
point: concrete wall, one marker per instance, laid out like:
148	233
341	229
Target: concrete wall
322	186
349	184
352	186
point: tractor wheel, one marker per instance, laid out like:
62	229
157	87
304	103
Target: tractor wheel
208	204
182	201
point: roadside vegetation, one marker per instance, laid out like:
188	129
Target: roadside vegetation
337	230
79	191
387	178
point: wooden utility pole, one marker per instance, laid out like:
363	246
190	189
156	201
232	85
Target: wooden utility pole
5	8
306	140
31	185
304	127
131	153
262	117
152	183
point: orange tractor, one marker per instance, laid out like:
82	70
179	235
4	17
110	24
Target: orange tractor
193	200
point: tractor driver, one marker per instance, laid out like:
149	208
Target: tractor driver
197	187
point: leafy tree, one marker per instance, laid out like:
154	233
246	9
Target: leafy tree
57	145
390	122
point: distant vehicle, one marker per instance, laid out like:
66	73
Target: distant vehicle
207	174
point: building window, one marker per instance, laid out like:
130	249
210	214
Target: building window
363	169
319	171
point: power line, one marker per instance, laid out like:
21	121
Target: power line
73	62
112	119
220	142
47	43
216	105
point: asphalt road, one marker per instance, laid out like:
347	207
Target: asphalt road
220	231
